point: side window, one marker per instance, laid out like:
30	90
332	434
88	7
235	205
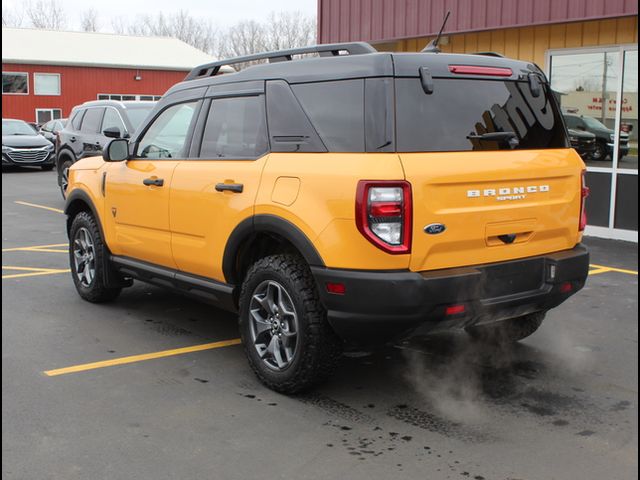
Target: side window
92	120
236	128
112	120
76	121
336	110
572	122
167	135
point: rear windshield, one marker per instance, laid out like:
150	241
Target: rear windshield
460	111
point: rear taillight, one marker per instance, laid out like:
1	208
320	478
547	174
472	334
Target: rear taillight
383	214
584	193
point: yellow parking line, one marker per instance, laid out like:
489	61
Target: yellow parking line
141	358
596	271
39	248
57	210
32	271
614	269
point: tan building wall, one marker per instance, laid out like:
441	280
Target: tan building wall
531	43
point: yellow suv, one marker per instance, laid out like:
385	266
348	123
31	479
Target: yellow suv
350	196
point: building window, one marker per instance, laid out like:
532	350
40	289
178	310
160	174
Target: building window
16	83
46	83
128	97
44	115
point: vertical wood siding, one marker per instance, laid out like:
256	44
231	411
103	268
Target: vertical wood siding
531	43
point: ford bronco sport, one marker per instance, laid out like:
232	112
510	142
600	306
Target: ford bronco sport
354	196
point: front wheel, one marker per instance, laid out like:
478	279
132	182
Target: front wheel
287	339
600	152
507	331
88	258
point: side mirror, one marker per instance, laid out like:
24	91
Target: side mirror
117	150
112	132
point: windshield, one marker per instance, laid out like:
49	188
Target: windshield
463	114
593	123
17	127
137	114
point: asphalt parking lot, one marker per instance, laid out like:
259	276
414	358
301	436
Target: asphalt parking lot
172	397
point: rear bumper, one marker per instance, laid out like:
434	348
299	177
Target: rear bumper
379	306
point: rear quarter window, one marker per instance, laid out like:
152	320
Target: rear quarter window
459	108
336	110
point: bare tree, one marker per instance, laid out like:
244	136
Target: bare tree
289	30
12	17
119	25
89	20
199	33
46	14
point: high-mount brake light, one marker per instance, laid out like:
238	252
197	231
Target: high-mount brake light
384	214
474	70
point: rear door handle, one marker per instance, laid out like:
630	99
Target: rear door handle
158	182
231	187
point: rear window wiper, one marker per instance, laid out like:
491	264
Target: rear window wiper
509	137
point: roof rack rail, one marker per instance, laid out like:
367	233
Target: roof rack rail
327	50
489	54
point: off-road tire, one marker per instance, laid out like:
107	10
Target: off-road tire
507	331
318	350
96	291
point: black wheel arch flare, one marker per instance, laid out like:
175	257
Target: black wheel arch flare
265	223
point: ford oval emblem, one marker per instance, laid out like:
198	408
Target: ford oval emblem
434	228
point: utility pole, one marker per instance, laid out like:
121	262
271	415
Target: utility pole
603	97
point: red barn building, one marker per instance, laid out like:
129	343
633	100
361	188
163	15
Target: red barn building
46	73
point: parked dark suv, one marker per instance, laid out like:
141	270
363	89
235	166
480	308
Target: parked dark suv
90	126
604	136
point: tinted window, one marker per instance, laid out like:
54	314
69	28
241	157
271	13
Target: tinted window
92	120
289	127
15	83
167	135
460	108
235	129
137	114
572	122
336	110
76	121
112	120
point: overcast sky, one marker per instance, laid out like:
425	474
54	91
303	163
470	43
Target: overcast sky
223	13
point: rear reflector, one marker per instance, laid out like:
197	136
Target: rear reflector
336	288
566	287
473	70
454	310
584	193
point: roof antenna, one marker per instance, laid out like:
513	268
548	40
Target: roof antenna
432	47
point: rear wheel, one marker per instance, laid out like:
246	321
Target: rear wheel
600	152
63	176
88	258
507	331
287	339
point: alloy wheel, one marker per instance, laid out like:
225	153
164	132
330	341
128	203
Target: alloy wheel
274	325
84	256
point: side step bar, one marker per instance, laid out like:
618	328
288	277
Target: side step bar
205	289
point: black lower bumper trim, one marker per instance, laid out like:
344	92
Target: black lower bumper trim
385	305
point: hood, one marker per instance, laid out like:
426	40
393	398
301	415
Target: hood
18	141
580	134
